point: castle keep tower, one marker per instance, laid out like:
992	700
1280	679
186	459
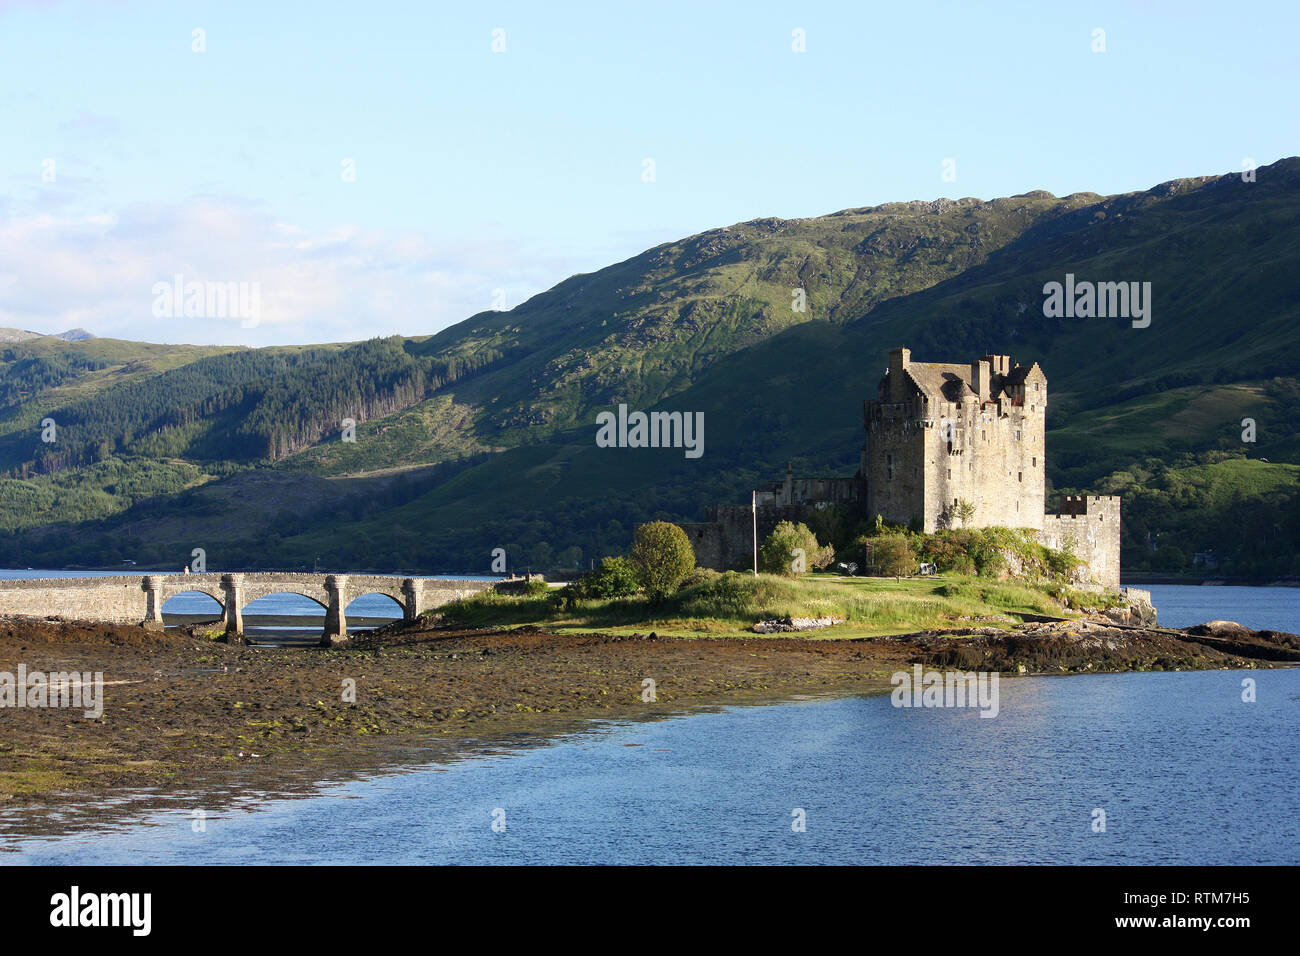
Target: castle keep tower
941	436
948	446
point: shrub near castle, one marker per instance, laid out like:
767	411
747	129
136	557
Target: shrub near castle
662	556
616	577
891	555
985	552
792	549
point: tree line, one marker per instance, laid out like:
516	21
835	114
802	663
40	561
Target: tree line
246	406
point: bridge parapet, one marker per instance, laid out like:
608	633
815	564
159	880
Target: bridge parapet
114	600
131	599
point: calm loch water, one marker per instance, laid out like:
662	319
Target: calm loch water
1274	609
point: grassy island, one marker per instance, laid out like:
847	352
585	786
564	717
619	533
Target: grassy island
710	604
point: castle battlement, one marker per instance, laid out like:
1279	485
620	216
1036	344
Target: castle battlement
1099	506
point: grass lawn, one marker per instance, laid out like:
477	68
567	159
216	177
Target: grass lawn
727	605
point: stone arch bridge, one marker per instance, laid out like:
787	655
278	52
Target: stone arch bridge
127	599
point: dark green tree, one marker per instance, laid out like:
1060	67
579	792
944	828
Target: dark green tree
662	556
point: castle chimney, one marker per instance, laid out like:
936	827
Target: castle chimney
1001	364
980	375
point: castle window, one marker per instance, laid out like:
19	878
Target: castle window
1035	462
950	473
889	464
1020	476
1017	434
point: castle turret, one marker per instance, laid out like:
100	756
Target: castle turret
894	386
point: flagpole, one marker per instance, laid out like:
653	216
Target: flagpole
753	508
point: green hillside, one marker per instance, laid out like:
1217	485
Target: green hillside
504	403
40	374
649	327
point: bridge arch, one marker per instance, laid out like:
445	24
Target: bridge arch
248	600
169	591
381	604
192	601
392	601
292	610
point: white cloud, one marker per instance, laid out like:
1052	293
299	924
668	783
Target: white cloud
346	283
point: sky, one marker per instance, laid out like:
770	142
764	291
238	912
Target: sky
393	168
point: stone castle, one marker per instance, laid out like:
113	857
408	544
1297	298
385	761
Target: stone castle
947	446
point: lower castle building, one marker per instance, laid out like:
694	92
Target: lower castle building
947	446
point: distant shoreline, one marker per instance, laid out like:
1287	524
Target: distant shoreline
1141	579
142	570
1209	580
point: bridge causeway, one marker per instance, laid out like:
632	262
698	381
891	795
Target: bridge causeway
127	599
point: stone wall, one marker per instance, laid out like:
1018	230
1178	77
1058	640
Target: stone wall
115	600
991	456
706	540
1088	526
726	543
798	491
